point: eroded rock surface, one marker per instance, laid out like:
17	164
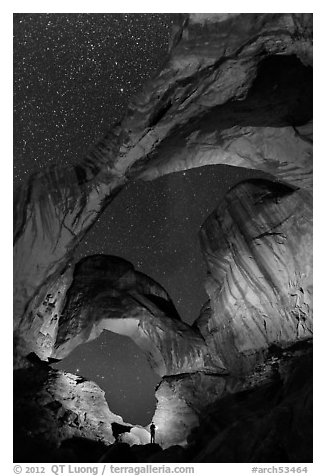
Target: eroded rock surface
38	332
258	249
266	416
236	89
51	214
52	407
107	293
271	422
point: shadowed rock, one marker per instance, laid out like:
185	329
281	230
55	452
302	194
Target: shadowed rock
267	414
51	406
271	422
236	89
176	123
107	293
257	247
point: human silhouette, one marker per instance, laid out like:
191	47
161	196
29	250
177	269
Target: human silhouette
152	428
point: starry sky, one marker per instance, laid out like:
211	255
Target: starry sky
73	77
155	225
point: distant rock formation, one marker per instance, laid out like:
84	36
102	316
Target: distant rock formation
107	293
235	90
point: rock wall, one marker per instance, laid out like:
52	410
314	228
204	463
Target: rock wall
258	249
40	326
180	400
52	212
257	246
52	408
107	293
271	422
236	89
213	416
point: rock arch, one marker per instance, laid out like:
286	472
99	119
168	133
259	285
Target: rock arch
56	208
221	98
107	293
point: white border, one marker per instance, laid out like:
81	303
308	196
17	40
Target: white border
95	6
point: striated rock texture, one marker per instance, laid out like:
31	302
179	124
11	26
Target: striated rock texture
51	214
264	417
107	293
235	89
270	422
258	249
40	326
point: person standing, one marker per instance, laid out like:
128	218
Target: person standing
152	428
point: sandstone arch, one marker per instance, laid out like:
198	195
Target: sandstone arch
56	208
107	293
221	98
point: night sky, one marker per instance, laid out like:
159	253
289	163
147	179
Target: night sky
73	76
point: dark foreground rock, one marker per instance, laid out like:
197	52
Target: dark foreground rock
269	423
52	407
266	417
236	387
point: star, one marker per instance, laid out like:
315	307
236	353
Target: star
74	75
97	52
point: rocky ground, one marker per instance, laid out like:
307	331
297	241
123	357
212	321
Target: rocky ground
237	385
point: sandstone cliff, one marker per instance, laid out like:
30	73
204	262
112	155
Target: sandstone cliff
264	417
107	293
235	90
258	250
51	408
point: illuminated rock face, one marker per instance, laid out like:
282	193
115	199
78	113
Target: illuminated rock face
180	401
266	416
235	90
52	407
107	293
258	251
40	326
51	214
